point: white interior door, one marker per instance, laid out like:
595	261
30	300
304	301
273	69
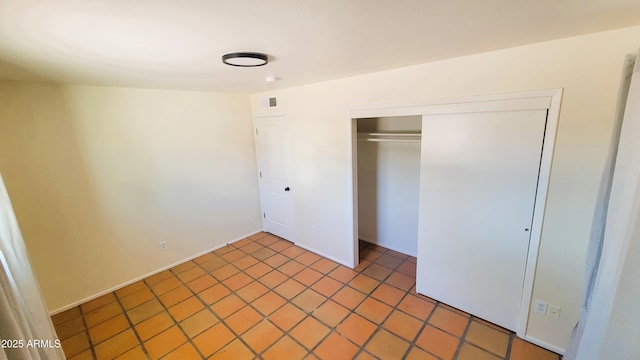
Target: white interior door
479	175
274	171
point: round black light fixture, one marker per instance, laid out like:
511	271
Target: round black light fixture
245	59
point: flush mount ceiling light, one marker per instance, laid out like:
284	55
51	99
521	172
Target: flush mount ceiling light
245	59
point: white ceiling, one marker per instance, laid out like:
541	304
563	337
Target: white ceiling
178	44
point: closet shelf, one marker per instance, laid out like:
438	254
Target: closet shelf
391	136
395	133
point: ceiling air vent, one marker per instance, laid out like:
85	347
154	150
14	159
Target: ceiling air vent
269	102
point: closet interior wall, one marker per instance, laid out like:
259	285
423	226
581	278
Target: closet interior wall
388	181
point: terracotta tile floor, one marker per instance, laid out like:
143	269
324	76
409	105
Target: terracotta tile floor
263	297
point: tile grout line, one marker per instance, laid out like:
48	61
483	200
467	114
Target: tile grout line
310	314
327	298
380	327
407	293
166	309
131	326
306	287
84	330
381	263
290	301
462	338
92	346
176	322
271	289
425	322
509	346
381	281
510	339
231	292
86	326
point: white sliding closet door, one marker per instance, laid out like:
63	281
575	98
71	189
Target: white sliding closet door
478	180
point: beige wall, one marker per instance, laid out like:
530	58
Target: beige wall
99	176
587	67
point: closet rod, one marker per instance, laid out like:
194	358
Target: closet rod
392	140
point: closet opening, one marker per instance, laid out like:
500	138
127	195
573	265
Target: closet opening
388	181
397	152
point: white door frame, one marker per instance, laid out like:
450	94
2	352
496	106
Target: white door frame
540	99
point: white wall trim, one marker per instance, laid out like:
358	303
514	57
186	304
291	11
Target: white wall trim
526	100
95	296
542	344
544	176
352	188
549	99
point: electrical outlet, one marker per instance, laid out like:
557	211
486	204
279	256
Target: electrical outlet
554	312
314	230
163	245
540	307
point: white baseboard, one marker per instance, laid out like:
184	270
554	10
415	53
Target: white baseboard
89	298
339	261
389	246
542	344
366	239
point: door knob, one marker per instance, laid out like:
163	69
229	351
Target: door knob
287	189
